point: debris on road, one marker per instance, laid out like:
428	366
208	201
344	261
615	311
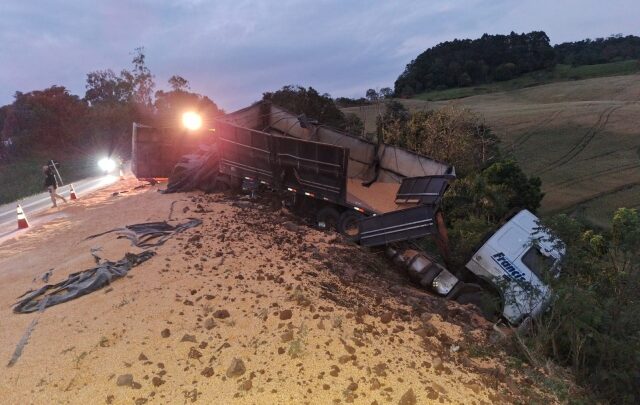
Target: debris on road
79	284
150	234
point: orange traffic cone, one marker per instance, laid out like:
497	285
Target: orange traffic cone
72	193
22	219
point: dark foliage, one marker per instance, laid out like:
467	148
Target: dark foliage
43	118
467	62
343	102
593	326
54	120
353	124
170	105
600	50
309	102
521	191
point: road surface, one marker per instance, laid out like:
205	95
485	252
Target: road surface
40	202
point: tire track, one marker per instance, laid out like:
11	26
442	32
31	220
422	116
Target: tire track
554	186
602	121
528	134
604	154
594	197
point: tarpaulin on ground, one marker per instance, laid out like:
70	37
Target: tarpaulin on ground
146	235
150	234
79	284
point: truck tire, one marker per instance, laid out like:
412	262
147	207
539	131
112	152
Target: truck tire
223	183
275	202
484	300
348	224
328	218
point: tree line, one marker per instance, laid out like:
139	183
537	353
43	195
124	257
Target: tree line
490	58
600	50
55	119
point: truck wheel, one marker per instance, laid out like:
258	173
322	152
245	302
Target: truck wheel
327	218
348	224
275	202
487	303
222	183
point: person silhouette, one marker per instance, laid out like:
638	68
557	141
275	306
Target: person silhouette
51	184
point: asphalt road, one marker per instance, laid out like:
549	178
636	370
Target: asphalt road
41	202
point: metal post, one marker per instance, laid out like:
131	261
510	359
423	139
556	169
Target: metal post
58	173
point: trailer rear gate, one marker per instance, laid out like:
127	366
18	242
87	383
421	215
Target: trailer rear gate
316	168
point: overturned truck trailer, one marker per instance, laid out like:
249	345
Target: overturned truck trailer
374	193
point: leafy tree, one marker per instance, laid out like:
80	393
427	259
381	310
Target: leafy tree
143	80
353	124
506	71
450	134
41	118
465	235
344	102
372	96
395	111
521	191
172	104
593	325
468	62
464	79
309	102
104	86
386	92
599	50
178	83
392	124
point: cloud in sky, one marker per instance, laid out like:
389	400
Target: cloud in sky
233	50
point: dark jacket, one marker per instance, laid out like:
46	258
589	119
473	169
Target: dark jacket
50	179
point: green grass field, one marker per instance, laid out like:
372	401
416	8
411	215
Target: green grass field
559	73
581	137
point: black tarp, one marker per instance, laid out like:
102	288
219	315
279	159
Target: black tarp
145	235
150	234
79	284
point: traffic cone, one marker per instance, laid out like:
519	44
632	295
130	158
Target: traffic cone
72	193
22	219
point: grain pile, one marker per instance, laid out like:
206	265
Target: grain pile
251	307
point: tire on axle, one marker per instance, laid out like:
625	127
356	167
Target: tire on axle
348	224
328	218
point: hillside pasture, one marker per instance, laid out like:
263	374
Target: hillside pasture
559	73
581	137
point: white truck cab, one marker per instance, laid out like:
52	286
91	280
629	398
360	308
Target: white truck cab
516	259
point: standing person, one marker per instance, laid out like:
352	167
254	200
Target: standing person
51	185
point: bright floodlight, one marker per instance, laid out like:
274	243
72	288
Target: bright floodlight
106	164
191	121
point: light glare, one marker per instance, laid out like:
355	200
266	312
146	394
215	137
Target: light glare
106	164
191	121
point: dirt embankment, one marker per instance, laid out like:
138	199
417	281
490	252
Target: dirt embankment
250	307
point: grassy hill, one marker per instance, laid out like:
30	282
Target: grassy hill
581	137
557	74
